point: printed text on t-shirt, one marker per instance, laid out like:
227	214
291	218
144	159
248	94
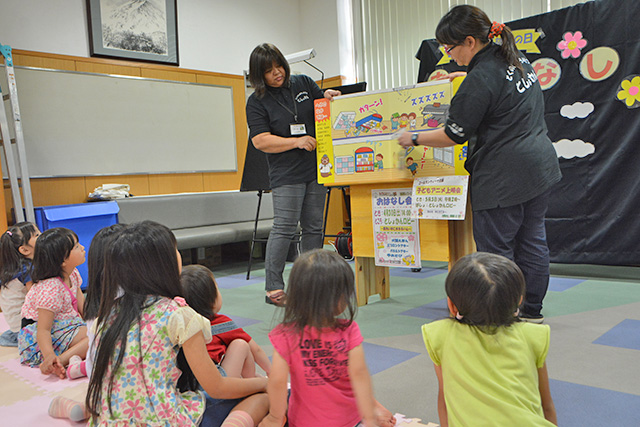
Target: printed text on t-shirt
524	83
324	361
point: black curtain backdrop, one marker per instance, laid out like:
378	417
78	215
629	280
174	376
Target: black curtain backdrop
429	54
594	211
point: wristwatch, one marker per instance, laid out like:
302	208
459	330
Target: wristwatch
414	139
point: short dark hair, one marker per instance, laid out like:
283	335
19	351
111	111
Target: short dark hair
200	290
53	247
321	287
95	265
466	20
261	60
486	289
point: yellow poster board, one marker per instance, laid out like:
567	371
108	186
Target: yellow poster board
357	133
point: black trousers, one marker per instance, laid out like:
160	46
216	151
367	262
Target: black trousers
518	233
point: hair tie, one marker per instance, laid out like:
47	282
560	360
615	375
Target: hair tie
9	233
496	29
459	316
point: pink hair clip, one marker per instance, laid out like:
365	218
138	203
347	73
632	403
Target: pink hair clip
9	233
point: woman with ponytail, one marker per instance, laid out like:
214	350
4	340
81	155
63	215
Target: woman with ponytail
499	109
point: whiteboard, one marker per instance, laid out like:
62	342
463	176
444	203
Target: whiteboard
82	124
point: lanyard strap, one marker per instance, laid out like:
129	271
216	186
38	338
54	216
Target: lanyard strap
295	106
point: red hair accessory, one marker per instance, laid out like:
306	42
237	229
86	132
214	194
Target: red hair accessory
496	29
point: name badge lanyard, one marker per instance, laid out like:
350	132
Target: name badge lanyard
295	107
295	128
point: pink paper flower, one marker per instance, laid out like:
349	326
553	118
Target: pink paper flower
571	44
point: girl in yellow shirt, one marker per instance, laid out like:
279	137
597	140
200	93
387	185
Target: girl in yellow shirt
490	366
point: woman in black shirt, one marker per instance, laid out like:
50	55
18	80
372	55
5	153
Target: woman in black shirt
280	114
499	109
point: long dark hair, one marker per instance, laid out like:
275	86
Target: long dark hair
486	289
54	246
11	260
141	261
95	265
321	287
200	290
261	60
466	20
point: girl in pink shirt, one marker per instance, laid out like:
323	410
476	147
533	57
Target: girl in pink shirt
320	345
52	327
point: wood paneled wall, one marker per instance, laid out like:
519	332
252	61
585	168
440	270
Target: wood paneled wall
70	190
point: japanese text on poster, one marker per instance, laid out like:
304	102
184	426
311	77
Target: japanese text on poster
443	197
396	234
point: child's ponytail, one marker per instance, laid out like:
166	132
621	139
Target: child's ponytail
11	260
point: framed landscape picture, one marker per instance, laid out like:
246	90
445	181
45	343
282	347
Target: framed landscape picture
141	30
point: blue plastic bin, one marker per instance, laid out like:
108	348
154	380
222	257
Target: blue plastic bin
85	219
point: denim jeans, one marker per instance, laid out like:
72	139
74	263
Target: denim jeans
518	233
217	410
303	203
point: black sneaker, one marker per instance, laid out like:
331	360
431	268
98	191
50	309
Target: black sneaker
532	318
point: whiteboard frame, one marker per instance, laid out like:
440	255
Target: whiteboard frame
232	130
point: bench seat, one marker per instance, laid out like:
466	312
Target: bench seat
202	219
212	235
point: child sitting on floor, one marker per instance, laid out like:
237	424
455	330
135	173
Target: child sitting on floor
142	324
17	246
52	327
62	407
320	345
231	348
490	366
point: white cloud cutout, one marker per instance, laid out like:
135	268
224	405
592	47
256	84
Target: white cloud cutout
577	109
568	149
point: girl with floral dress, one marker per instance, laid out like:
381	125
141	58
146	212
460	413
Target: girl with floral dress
52	327
142	324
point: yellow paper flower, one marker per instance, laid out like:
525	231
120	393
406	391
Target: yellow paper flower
630	92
